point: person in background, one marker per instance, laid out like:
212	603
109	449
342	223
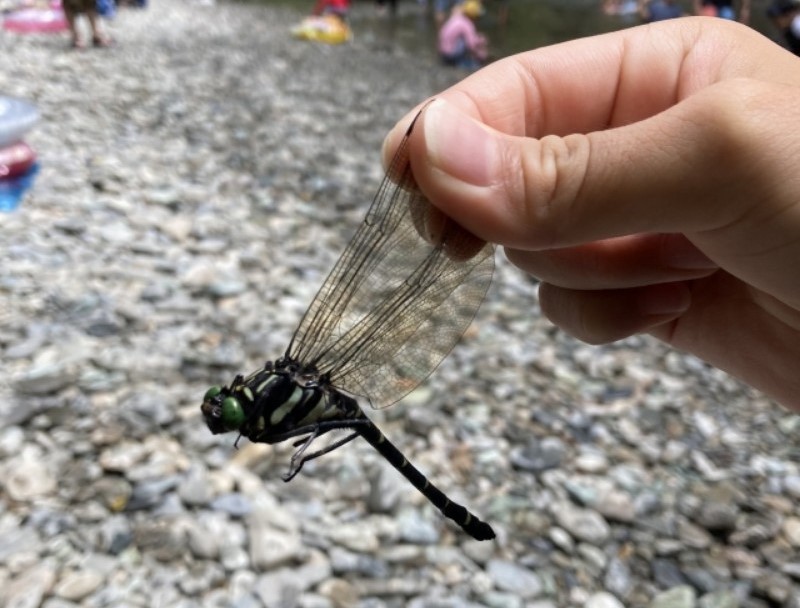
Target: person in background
338	8
460	44
659	10
785	14
442	10
723	9
72	10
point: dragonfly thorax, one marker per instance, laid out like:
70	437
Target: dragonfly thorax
274	400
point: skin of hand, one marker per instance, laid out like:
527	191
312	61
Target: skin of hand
648	177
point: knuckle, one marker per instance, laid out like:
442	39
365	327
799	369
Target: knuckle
544	183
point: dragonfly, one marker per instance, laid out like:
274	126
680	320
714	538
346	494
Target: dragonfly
400	296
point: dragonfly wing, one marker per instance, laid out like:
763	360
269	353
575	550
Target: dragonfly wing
350	286
399	298
408	333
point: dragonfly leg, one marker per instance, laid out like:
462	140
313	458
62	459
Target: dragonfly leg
299	459
330	448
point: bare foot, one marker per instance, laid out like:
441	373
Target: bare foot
101	41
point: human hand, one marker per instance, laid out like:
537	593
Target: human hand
648	177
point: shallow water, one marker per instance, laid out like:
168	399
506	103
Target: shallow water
531	23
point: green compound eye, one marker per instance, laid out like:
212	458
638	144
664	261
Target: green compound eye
232	413
212	392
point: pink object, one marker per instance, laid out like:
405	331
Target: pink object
16	159
459	30
32	20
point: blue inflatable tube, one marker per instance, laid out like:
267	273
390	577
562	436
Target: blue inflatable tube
16	118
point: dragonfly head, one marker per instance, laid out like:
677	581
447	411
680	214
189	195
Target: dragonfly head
221	410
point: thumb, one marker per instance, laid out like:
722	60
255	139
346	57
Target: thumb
668	173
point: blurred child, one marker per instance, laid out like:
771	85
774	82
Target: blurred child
338	8
460	44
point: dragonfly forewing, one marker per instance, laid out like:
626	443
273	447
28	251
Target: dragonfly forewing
398	299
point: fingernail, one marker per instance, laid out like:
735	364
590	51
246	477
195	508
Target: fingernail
681	253
665	299
458	145
386	154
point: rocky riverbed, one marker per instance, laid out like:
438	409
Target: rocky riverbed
198	179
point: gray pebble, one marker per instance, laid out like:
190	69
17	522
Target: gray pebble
271	548
615	506
508	576
719	599
44	379
27	477
618	578
195	490
539	456
414	528
74	586
175	235
603	600
678	597
583	524
28	589
235	505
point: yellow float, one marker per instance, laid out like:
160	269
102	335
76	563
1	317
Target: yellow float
327	28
